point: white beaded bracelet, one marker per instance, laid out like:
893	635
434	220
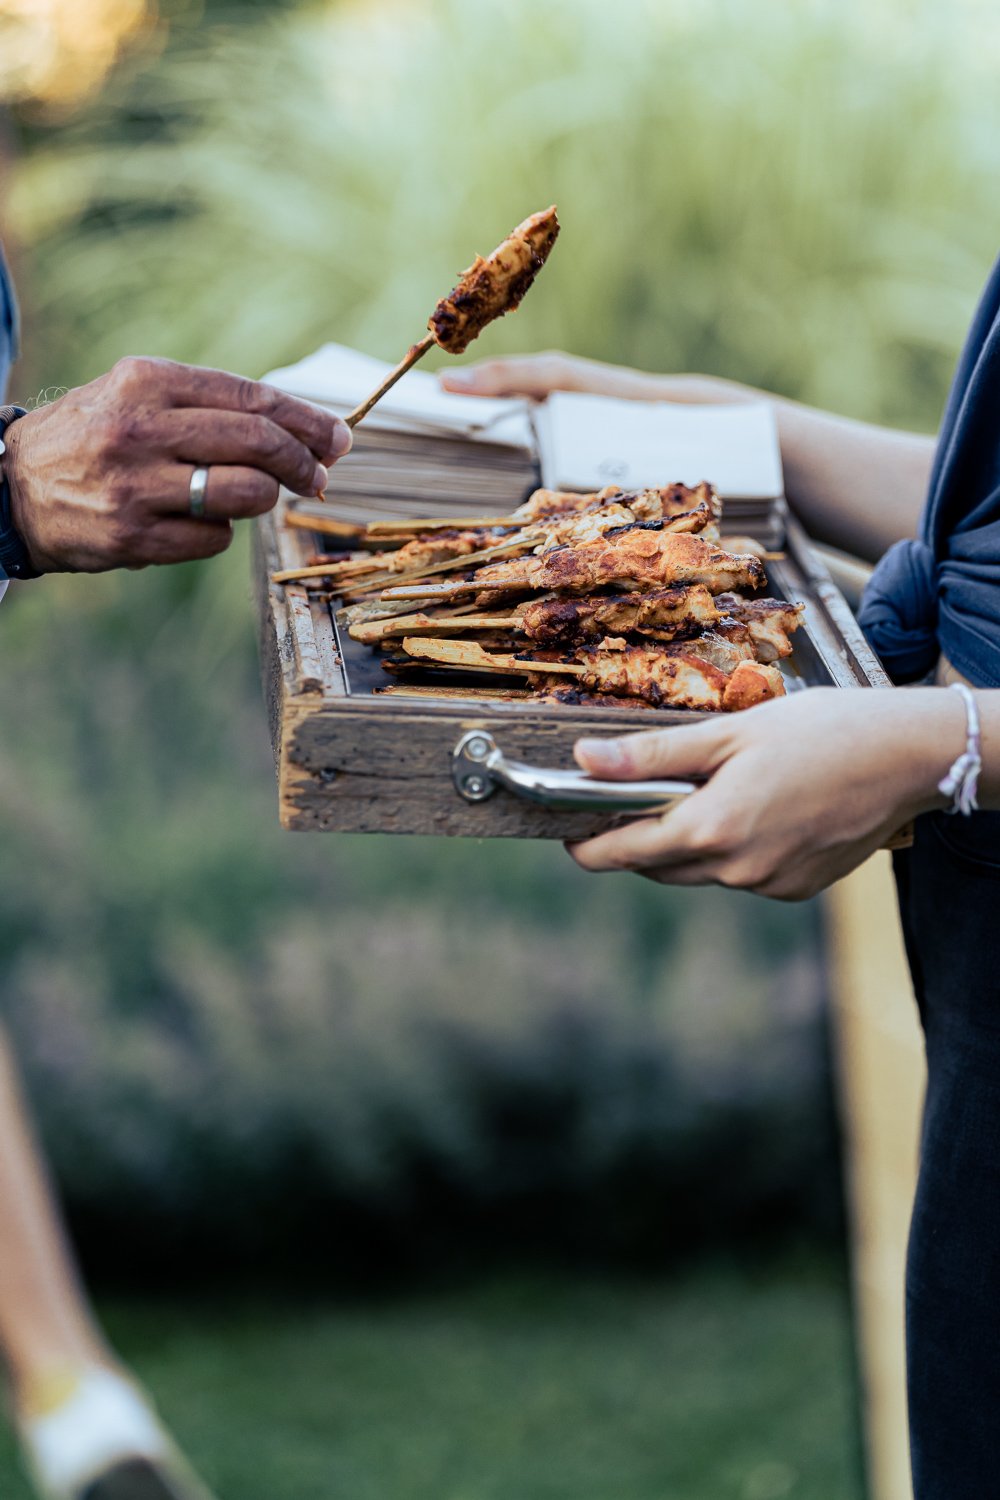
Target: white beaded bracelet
962	780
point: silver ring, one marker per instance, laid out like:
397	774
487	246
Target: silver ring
199	484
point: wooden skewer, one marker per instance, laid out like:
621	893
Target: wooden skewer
333	571
470	656
411	592
370	632
458	624
450	565
439	523
417	690
415	352
325	525
374	609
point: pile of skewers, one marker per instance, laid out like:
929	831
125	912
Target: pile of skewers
612	597
616	598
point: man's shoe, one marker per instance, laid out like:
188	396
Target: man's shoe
138	1479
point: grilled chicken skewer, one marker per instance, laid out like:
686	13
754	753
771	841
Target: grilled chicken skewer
714	648
438	553
496	285
682	676
755	629
547	505
556	621
646	554
487	290
643	556
616	510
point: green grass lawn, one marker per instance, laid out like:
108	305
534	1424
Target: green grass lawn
723	1383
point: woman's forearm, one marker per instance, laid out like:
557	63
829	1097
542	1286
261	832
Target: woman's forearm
857	487
853	485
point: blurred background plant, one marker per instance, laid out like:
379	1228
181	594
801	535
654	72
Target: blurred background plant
414	1055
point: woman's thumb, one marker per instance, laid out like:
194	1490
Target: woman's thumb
689	751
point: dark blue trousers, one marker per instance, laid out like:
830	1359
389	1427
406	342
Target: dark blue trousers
949	897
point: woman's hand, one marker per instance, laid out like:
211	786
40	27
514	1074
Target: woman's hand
536	375
799	790
101	478
857	487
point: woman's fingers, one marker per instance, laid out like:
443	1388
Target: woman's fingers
535	375
527	375
686	834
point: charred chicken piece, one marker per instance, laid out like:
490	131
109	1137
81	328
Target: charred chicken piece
595	523
768	622
646	505
496	285
642	556
544	505
648	674
713	647
674	678
752	682
666	612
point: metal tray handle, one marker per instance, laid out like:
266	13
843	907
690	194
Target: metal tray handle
479	768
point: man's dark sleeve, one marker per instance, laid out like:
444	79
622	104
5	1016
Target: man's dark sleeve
8	325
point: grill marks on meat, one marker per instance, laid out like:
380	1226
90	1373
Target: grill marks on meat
628	599
642	672
646	505
544	535
675	677
752	682
494	285
644	555
614	517
666	612
768	623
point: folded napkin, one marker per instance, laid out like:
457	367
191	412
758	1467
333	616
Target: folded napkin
341	377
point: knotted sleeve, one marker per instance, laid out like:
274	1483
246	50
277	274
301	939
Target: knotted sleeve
899	611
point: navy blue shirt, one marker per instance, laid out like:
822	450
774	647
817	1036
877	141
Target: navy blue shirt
941	591
8	326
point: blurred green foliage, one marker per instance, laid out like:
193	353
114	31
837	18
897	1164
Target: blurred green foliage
239	1038
792	195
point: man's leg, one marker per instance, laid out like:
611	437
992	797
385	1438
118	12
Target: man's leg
45	1323
87	1430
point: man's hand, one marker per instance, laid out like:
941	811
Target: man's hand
797	792
101	478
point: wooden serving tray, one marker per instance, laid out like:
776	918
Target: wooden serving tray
350	760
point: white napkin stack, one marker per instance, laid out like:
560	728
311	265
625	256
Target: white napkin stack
588	441
422	450
425	451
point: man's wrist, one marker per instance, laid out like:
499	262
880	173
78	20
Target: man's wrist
15	558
